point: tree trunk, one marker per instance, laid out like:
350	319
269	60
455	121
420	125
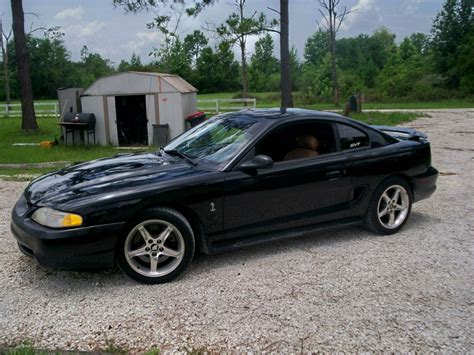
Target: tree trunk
332	47
244	70
6	76
243	54
27	108
286	96
335	89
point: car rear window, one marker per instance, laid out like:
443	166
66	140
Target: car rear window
351	138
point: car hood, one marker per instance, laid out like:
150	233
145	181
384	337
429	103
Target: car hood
104	176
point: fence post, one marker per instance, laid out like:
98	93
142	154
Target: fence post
56	111
217	105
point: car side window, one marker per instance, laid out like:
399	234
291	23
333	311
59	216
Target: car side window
351	138
299	140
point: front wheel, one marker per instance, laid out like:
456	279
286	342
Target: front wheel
389	207
157	247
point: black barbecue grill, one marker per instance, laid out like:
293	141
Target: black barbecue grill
82	122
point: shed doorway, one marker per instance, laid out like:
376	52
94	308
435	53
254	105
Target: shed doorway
131	120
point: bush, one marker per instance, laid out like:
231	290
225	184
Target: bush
350	84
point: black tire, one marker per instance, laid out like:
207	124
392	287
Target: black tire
144	233
382	225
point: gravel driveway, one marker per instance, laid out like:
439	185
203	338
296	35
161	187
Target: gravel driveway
349	290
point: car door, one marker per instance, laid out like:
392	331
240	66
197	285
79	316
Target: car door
289	195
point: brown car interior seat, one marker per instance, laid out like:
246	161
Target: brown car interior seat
306	147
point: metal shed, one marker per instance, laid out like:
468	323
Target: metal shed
69	100
129	106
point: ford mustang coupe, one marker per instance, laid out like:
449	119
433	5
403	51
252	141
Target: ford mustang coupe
236	180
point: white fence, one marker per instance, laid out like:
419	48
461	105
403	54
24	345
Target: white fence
213	106
41	109
223	105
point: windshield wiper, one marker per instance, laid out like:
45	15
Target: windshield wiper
174	152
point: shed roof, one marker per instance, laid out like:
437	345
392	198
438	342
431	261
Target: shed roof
132	82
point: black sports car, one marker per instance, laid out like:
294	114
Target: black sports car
235	180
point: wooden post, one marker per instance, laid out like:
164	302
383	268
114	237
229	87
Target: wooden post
347	109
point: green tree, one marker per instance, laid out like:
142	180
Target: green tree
175	60
91	67
451	32
465	64
333	14
407	49
296	68
316	47
420	41
217	71
316	80
135	64
408	74
52	66
237	28
380	45
194	43
263	65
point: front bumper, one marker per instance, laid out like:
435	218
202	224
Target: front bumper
424	185
84	248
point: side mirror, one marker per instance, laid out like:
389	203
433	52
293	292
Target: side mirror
258	162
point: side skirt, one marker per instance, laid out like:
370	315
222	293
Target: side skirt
218	246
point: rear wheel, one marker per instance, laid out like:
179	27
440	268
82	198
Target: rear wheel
389	207
157	247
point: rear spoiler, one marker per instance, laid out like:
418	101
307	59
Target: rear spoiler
402	133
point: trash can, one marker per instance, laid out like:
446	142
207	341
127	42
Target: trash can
353	103
161	135
196	118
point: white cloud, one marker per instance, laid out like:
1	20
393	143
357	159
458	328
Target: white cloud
411	6
91	28
363	5
363	11
144	41
75	12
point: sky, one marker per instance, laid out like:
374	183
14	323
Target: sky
116	35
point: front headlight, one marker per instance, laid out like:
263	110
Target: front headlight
56	219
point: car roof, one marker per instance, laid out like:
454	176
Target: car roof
273	116
277	113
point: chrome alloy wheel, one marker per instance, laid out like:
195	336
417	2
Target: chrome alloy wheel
154	248
393	206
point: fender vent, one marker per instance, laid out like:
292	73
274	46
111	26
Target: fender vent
358	193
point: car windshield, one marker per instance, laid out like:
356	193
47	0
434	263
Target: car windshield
216	140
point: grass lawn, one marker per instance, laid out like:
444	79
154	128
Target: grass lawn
10	133
269	99
387	118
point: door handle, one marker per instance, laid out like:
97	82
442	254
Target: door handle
334	174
